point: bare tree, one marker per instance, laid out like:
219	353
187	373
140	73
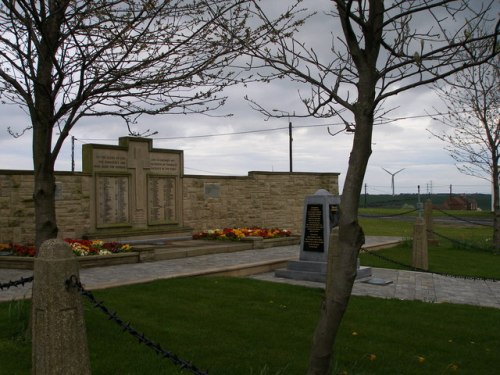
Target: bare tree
377	50
472	120
65	60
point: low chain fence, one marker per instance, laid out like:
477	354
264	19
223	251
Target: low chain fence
462	219
74	283
21	282
416	269
388	215
455	242
463	245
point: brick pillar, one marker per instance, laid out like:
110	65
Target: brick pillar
59	338
419	254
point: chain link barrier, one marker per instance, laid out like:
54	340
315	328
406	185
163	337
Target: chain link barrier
388	215
22	281
461	244
389	202
74	283
416	269
458	218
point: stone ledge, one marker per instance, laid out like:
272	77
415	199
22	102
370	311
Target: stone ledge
264	243
26	263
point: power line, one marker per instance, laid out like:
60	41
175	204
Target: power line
211	172
270	130
221	134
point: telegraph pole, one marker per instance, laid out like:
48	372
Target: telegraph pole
290	144
72	153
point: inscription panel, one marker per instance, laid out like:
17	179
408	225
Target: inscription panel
161	200
314	229
104	159
112	203
164	163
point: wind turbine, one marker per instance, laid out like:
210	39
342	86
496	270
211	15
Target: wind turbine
392	178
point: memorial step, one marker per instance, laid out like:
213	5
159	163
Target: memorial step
142	236
176	252
308	266
319	277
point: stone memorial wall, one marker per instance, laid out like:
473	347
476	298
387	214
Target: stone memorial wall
133	190
135	186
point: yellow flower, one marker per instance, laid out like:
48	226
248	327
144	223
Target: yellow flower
354	333
420	359
238	233
453	367
125	247
372	357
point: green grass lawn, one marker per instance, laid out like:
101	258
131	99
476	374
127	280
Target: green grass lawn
243	326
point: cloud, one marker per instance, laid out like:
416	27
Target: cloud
405	143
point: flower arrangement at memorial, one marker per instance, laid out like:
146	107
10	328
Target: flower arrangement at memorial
96	247
79	247
237	234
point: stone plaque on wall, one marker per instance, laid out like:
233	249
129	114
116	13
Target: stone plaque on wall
161	200
211	190
135	185
112	200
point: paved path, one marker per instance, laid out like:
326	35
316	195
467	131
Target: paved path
404	284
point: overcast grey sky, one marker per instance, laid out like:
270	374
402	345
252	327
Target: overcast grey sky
405	143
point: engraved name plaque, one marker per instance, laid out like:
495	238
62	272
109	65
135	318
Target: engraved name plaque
161	200
112	200
314	228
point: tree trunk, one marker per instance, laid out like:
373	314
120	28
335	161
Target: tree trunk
45	187
496	204
42	113
342	262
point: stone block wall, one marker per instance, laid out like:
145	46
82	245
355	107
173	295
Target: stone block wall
266	199
17	212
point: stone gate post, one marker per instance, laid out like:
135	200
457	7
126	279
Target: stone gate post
419	253
429	223
59	338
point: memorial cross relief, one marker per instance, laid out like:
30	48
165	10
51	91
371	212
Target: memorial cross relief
138	165
135	185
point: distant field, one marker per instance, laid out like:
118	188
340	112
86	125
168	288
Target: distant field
402	200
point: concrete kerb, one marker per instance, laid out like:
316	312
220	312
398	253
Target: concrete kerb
240	270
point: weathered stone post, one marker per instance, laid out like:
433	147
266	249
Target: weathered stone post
419	254
59	338
429	225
